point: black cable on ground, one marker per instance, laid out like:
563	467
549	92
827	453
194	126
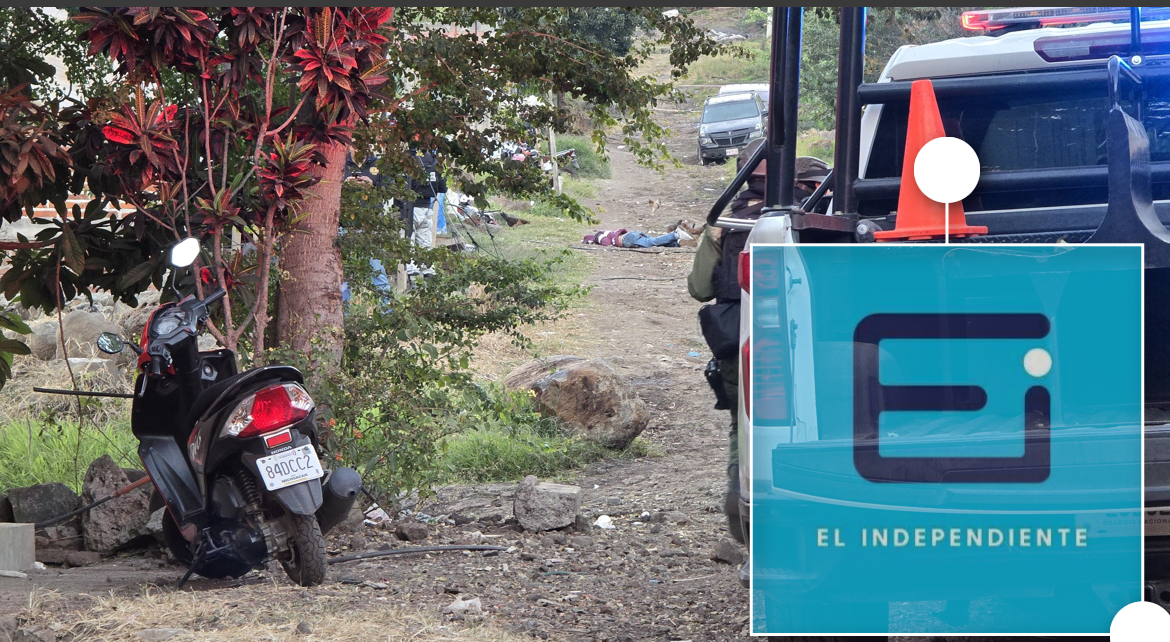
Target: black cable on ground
415	549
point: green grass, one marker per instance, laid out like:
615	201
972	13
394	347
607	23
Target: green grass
820	145
500	454
38	452
727	69
579	188
592	165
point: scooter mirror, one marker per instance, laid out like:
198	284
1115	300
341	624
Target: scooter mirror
185	252
110	343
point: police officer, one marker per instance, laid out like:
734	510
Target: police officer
714	276
419	212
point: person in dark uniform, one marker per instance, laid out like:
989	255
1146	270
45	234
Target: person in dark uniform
419	213
715	276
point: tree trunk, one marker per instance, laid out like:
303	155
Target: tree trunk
309	317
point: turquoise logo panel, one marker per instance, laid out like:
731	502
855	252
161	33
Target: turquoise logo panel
945	438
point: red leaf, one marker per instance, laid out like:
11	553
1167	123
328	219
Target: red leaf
118	135
374	17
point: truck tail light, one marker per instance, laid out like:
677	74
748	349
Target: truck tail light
745	374
272	408
745	271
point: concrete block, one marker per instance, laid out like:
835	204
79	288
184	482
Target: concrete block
17	547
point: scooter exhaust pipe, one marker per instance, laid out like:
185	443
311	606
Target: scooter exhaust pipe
338	495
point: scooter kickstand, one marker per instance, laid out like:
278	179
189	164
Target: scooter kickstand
191	567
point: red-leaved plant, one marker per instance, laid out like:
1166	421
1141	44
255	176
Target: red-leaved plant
229	154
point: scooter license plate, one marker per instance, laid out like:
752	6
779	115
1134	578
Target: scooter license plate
290	467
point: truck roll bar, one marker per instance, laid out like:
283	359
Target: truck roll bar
847	152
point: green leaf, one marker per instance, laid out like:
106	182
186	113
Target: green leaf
13	346
94	209
135	275
14	323
71	251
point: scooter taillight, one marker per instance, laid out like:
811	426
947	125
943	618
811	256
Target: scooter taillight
269	409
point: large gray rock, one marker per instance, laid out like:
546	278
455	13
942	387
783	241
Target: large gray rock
154	526
118	522
93	367
542	506
588	396
43	502
43	340
526	376
135	320
81	331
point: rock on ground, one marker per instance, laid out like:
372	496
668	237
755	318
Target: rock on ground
542	506
728	552
81	331
34	634
120	521
154	525
93	367
135	320
412	531
42	341
158	635
589	396
526	376
43	502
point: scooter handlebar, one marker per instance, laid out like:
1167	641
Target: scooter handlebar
214	296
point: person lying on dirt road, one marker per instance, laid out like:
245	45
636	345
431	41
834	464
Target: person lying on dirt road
714	275
634	238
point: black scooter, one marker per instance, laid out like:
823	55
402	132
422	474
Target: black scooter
233	456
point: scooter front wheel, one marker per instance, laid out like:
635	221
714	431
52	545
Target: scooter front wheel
307	546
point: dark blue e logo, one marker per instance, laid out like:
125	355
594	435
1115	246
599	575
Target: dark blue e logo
871	398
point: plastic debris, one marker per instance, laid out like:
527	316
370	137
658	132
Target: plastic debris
464	607
604	522
375	515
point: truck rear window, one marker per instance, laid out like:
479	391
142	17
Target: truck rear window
730	111
1020	133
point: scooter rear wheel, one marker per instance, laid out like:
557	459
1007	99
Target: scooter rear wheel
308	565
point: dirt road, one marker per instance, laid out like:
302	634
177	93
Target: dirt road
651	577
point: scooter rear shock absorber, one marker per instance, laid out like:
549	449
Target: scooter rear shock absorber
248	489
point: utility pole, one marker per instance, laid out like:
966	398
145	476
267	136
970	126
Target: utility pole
552	150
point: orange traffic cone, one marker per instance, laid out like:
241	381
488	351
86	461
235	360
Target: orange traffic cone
920	218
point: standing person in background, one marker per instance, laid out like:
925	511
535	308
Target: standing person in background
715	275
366	172
419	213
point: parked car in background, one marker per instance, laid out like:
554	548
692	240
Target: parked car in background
728	124
760	89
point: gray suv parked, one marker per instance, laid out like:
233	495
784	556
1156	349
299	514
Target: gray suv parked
729	123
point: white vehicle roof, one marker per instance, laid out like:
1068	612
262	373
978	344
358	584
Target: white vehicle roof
742	87
977	55
730	98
